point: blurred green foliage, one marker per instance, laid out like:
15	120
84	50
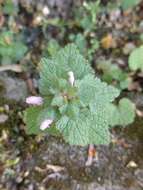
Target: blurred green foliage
12	49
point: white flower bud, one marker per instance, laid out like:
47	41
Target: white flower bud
46	124
71	77
34	100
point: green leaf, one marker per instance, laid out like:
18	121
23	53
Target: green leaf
30	118
48	78
127	4
85	129
93	91
11	47
72	110
33	118
57	101
112	72
69	59
81	43
136	59
52	48
63	109
93	8
9	7
123	114
19	49
46	113
56	69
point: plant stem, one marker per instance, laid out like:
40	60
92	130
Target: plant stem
91	154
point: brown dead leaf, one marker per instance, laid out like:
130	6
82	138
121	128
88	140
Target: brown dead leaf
2	19
1	1
139	113
55	168
40	170
15	67
134	86
108	41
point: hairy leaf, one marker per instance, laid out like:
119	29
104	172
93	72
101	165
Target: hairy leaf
85	129
93	91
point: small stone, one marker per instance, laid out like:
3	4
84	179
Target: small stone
15	89
141	26
128	48
19	179
115	14
132	164
46	11
3	118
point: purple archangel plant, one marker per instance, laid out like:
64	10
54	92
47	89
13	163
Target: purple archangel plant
73	102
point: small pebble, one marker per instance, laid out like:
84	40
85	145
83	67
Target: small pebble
3	118
132	164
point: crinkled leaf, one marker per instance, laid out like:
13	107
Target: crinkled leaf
55	69
93	91
85	129
70	58
48	78
72	110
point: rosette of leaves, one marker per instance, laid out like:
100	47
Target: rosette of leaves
12	49
79	111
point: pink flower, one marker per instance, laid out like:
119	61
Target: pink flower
34	100
46	124
71	77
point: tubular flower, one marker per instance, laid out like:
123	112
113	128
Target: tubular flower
46	124
71	77
34	100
